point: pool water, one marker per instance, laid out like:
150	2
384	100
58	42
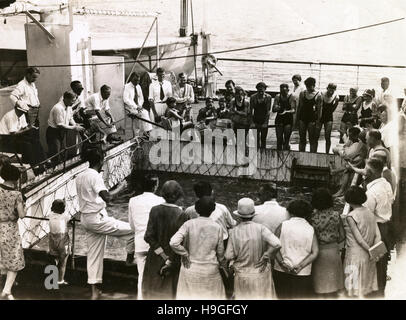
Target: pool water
227	191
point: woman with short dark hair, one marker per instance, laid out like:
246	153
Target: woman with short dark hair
200	244
241	111
293	265
284	105
362	233
307	115
327	269
162	265
11	209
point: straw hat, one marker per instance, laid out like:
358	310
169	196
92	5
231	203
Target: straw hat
246	208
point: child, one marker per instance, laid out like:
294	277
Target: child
59	243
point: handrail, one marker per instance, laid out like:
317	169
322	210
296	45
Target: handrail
64	150
312	62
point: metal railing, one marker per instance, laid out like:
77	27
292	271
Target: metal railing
248	72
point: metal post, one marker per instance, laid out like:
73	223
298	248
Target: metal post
157	42
73	244
142	47
184	16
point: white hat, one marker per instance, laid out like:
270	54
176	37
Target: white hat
246	208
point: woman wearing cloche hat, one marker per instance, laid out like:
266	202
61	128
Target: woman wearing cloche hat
247	249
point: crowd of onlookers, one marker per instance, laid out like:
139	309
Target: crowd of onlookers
263	251
259	251
153	102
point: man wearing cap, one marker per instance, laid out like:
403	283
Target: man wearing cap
261	103
249	248
25	95
159	91
16	132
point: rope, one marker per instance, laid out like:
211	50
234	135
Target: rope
229	50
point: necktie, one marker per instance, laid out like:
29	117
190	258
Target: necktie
135	96
161	94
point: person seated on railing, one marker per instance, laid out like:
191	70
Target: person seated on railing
354	151
98	106
284	105
159	91
307	115
133	104
11	210
206	118
23	139
184	95
369	109
350	108
25	95
223	114
328	104
59	242
230	92
60	119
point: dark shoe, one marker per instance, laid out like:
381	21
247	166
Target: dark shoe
130	259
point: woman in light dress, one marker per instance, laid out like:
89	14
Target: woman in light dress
199	242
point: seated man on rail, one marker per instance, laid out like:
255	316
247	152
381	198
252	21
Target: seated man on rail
97	106
159	91
133	103
60	119
184	95
354	151
17	136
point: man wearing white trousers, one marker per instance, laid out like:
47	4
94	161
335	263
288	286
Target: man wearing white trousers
139	208
93	196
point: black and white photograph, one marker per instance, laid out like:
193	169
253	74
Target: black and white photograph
218	151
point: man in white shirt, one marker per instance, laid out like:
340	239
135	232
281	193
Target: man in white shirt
97	105
92	197
25	95
184	95
133	103
139	208
221	214
379	201
270	213
159	91
60	119
18	137
79	103
384	96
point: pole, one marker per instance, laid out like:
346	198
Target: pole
194	42
157	42
142	47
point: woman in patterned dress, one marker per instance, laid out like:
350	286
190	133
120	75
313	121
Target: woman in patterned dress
327	269
362	232
11	209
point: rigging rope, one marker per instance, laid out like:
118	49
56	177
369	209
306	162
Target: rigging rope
229	50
